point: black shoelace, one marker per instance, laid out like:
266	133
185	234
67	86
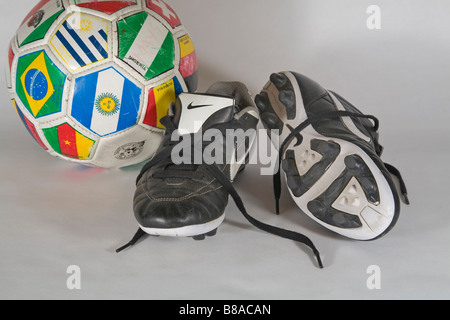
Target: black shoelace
295	133
187	171
164	156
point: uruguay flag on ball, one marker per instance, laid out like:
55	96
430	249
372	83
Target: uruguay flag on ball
81	40
106	102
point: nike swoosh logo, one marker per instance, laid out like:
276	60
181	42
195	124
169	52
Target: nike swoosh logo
190	106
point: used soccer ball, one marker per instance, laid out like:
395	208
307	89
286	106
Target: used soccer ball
90	79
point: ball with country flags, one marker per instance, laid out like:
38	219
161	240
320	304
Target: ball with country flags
91	79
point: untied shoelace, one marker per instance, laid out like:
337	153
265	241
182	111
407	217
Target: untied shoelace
216	172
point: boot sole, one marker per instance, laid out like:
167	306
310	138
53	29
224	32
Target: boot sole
333	181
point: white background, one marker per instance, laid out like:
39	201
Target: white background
54	214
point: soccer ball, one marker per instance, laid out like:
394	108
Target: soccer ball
91	79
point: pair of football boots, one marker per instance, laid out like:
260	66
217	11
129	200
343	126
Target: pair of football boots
328	150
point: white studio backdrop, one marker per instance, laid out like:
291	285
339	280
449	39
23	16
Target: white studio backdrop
55	215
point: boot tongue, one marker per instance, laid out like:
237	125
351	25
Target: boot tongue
195	112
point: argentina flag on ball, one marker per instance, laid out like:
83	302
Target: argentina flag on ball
106	102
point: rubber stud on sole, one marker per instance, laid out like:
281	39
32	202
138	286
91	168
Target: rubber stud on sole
203	236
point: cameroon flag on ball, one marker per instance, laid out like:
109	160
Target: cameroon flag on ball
146	45
68	142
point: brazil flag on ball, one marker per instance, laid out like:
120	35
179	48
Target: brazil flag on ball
39	84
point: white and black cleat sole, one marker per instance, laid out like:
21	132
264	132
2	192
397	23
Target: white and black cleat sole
168	232
198	237
332	180
197	232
